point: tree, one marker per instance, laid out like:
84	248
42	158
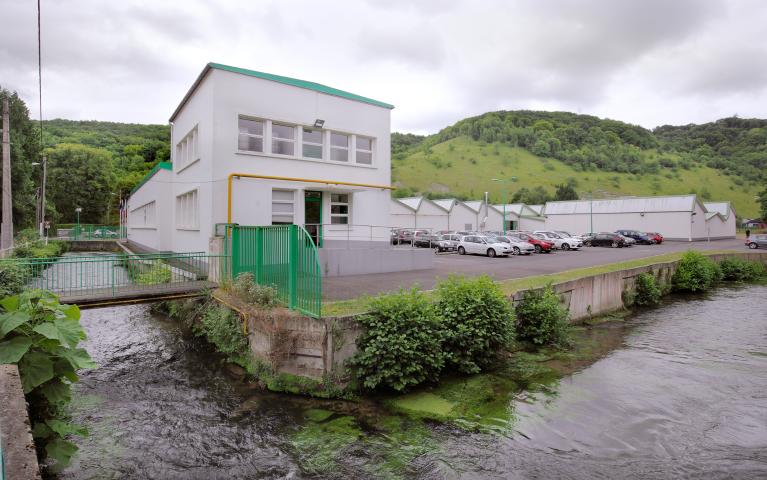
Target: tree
565	191
25	149
536	196
80	176
763	202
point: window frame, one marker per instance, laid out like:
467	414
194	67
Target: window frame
347	203
273	138
143	210
185	213
358	150
253	135
291	202
314	144
187	150
347	149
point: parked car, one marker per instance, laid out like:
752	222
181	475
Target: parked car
587	236
657	237
630	242
447	243
540	244
639	237
757	241
104	233
423	238
481	245
518	246
559	241
607	239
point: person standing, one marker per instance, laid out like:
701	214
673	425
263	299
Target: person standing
748	234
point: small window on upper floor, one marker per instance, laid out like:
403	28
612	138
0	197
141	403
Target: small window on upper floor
186	150
283	139
251	136
312	143
364	151
339	147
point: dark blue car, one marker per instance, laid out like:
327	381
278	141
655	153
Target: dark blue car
640	237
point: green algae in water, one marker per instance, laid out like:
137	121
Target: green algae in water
424	405
397	442
317	414
319	444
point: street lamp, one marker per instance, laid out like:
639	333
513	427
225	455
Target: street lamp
505	197
77	211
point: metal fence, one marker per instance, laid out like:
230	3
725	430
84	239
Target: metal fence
90	232
111	275
283	256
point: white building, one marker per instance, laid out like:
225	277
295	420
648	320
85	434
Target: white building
681	217
259	149
521	217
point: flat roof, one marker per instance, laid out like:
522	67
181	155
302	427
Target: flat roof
295	82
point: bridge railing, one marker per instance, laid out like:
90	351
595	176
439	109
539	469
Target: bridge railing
84	232
76	277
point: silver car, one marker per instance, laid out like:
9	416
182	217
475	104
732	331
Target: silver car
518	246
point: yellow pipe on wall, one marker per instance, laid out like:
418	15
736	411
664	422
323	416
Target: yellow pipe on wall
287	179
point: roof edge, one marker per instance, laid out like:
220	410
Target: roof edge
160	166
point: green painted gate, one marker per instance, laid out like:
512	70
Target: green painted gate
283	256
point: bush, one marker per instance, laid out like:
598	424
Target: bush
695	273
736	269
541	319
401	346
156	274
245	287
13	279
647	290
477	321
42	337
223	329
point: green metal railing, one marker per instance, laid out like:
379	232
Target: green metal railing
91	232
283	256
76	277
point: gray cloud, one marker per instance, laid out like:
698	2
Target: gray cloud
649	62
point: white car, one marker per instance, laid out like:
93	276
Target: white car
481	245
518	246
560	242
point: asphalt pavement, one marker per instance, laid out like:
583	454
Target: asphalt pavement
503	268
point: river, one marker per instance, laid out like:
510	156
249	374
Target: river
683	394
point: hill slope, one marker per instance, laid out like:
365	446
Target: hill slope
606	157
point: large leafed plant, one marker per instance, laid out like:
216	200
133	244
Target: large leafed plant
42	337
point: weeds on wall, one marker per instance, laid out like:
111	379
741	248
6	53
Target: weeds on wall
542	320
647	292
42	337
739	270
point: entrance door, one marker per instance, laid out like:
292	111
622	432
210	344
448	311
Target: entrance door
313	215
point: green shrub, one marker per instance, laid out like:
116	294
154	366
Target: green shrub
695	273
245	287
541	319
42	337
477	320
738	270
156	274
647	291
222	328
401	346
13	279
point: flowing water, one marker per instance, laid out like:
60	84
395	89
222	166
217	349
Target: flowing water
681	393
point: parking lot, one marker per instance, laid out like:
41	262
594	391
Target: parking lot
502	268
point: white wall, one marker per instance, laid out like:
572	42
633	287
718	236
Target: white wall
462	216
532	223
156	189
401	216
672	225
716	227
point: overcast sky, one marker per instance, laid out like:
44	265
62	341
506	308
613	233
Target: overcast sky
649	62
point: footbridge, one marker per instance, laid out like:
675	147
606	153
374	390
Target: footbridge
102	279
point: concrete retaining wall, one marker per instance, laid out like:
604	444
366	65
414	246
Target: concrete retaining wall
18	448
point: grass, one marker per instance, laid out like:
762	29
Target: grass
511	286
431	173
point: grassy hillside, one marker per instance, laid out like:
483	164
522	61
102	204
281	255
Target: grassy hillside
464	167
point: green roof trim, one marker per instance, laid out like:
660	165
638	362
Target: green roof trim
317	87
161	165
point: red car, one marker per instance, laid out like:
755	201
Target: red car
655	236
541	245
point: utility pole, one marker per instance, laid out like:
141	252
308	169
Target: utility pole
43	231
6	236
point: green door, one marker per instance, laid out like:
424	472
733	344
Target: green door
313	215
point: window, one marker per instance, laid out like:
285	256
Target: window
283	139
187	213
339	147
312	143
467	226
283	203
364	153
339	208
186	149
143	216
251	136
